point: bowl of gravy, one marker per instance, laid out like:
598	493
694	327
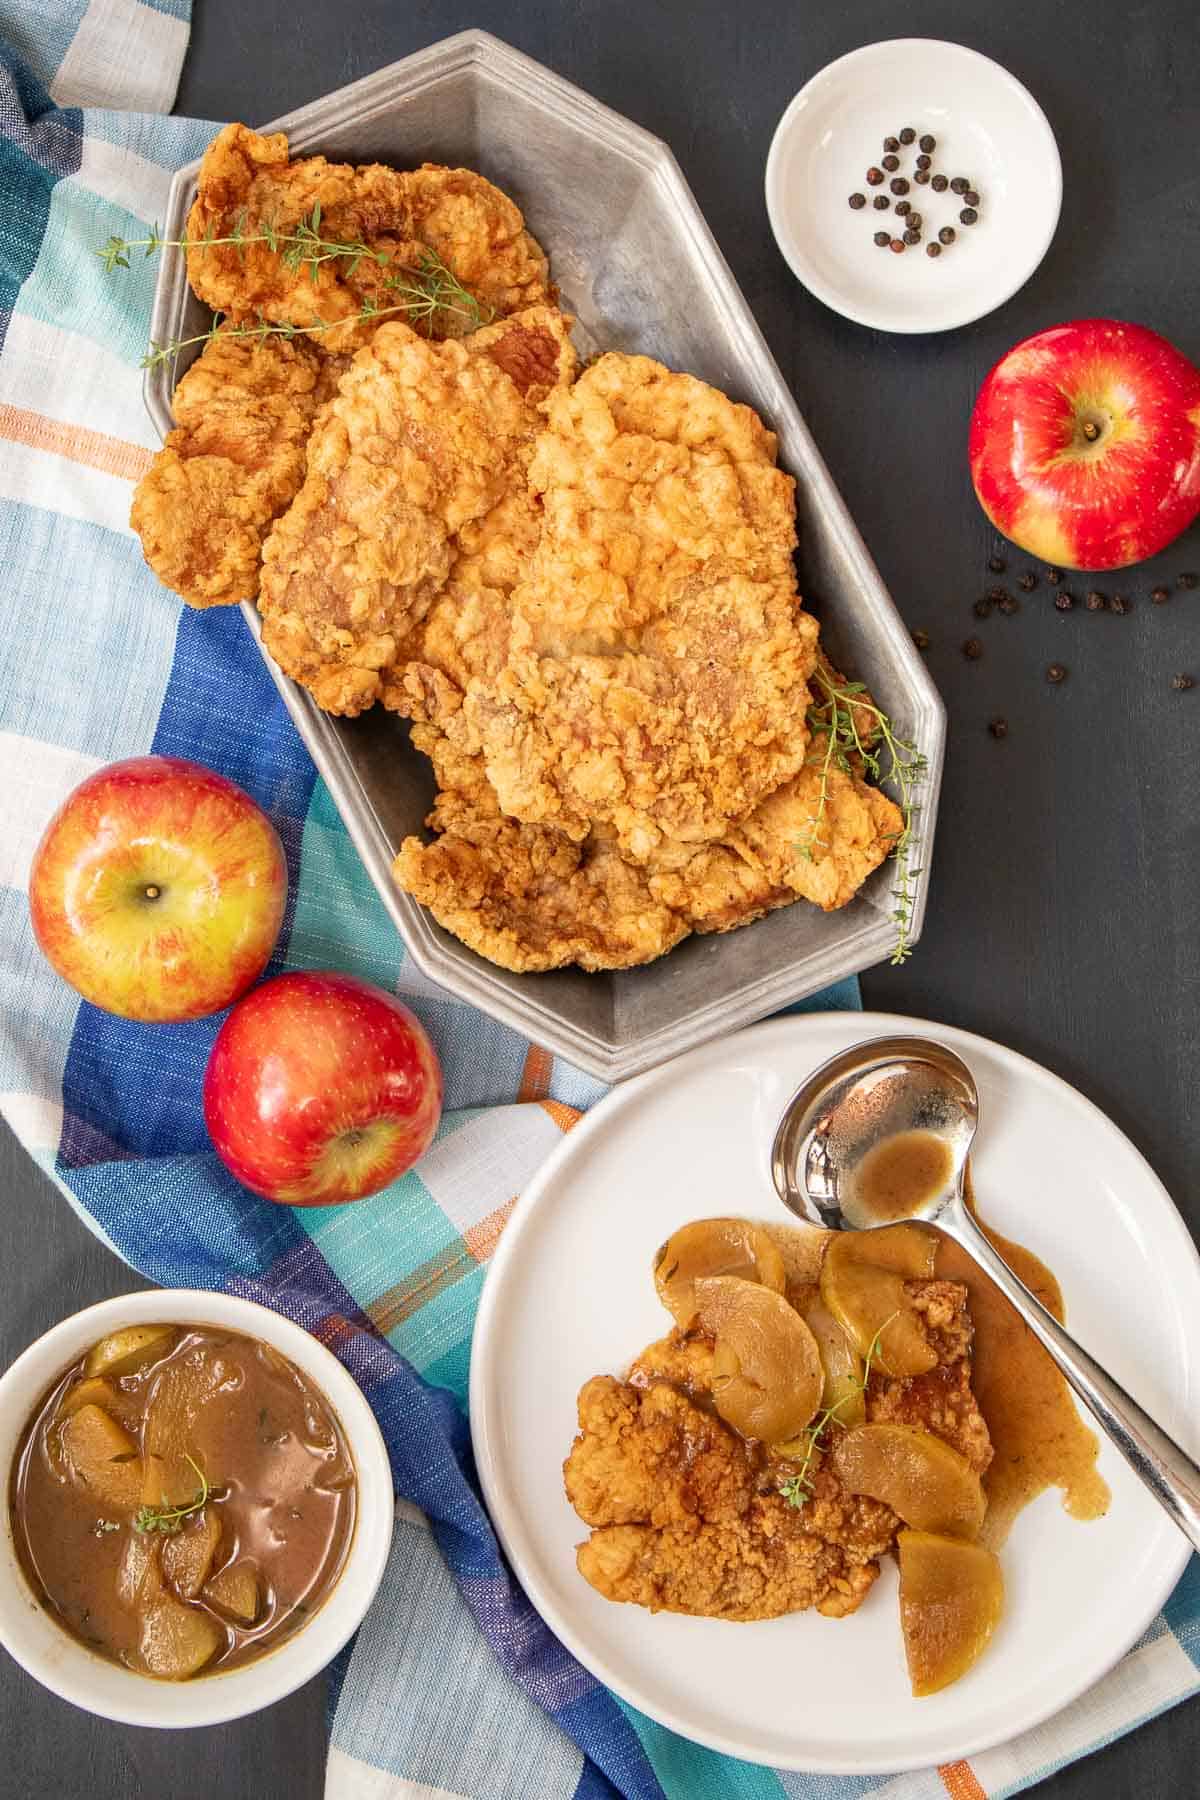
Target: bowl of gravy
198	1508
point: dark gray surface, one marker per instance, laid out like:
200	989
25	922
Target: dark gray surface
1065	917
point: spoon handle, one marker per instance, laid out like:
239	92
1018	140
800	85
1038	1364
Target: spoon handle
1169	1473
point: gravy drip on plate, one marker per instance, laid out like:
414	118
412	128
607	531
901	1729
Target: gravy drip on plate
1038	1437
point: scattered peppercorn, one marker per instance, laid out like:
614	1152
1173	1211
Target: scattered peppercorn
947	234
928	142
891	143
891	164
881	203
1181	683
1054	577
967	216
923	162
914	219
971	197
858	201
874	176
1056	673
997	593
959	185
1119	604
1096	601
998	727
972	649
907	135
911	236
921	639
898	184
921	176
1187	579
1160	595
996	564
933	249
903	207
983	607
1027	582
940	184
897	244
1064	601
1009	604
882	239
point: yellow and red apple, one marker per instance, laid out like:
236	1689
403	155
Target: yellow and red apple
158	889
1085	444
321	1088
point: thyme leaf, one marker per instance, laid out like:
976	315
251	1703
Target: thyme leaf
170	1518
798	1488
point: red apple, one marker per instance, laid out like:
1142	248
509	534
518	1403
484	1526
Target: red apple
1085	444
158	889
321	1088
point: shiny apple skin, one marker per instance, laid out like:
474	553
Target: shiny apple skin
1085	505
221	875
321	1089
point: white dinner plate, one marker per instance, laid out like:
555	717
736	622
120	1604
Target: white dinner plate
989	129
570	1295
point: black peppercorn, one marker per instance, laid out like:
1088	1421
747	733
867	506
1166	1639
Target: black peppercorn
858	201
996	565
1096	601
1160	595
881	203
1056	673
1009	604
1182	682
972	649
1187	579
891	143
959	185
874	176
891	163
897	244
928	142
921	176
1064	601
911	236
907	135
923	162
998	727
971	197
947	234
967	216
1054	577
940	184
1119	604
933	249
914	219
903	207
997	593
1027	582
898	184
882	239
983	607
921	639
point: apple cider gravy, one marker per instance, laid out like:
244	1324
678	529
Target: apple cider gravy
900	1175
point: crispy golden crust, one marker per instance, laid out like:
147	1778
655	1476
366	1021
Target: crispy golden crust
656	678
247	181
234	462
420	443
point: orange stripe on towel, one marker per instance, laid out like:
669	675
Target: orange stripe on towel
564	1116
112	456
481	1239
535	1076
960	1782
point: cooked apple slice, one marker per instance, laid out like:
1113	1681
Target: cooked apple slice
951	1598
923	1479
842	1386
713	1247
870	1303
234	1590
176	1640
121	1352
104	1457
92	1392
187	1555
767	1373
908	1249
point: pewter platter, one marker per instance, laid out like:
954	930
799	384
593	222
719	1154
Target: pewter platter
640	270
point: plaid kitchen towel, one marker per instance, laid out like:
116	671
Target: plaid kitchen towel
453	1686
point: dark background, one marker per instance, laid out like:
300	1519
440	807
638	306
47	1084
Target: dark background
1065	911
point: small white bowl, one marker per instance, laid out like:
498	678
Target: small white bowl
67	1667
988	128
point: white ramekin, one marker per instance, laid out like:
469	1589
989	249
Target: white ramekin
67	1667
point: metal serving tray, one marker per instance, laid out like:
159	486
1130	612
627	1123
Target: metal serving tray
639	268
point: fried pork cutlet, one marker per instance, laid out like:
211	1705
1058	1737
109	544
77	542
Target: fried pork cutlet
655	684
687	1517
233	463
247	185
422	441
526	896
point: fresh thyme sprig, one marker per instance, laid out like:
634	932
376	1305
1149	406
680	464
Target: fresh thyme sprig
421	292
170	1518
834	718
798	1489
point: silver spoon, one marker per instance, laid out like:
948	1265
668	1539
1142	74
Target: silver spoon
869	1094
